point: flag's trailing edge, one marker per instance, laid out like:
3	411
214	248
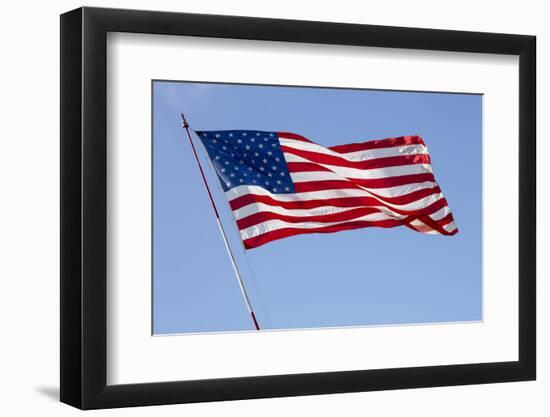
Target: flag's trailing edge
281	184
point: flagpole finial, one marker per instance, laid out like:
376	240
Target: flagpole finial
184	121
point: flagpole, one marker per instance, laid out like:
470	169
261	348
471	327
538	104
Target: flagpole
244	293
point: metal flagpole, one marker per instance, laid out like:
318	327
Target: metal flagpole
222	230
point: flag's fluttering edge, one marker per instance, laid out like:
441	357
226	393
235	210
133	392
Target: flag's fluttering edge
281	184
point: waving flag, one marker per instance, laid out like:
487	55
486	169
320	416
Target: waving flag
281	184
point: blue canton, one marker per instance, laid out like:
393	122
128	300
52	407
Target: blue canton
248	157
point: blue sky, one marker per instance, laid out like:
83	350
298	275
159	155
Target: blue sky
361	277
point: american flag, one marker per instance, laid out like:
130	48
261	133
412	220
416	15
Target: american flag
281	184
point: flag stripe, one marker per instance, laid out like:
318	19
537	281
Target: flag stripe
344	215
289	135
422	206
249	210
388	182
270	236
378	144
349	172
346	185
270	225
360	155
327	159
264	221
393	191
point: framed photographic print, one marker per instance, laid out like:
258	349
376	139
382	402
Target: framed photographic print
258	208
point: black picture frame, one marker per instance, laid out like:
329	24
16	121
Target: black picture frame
84	207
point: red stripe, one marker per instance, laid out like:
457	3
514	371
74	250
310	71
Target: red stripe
378	144
289	135
438	225
336	202
394	181
391	161
263	216
264	238
446	220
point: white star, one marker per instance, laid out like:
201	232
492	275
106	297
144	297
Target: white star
217	135
241	180
205	134
254	181
278	181
236	168
261	168
252	140
256	154
269	153
257	134
226	162
214	140
231	175
260	146
273	145
217	157
277	159
247	146
271	134
282	174
224	147
264	161
287	189
239	141
250	168
241	162
228	184
269	174
223	169
266	139
274	168
267	183
244	134
275	190
231	134
258	175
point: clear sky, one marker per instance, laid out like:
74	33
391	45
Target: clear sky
369	276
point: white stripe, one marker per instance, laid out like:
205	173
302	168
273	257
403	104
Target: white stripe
423	228
271	225
254	208
318	211
368	173
449	227
398	190
364	155
439	214
241	190
321	195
